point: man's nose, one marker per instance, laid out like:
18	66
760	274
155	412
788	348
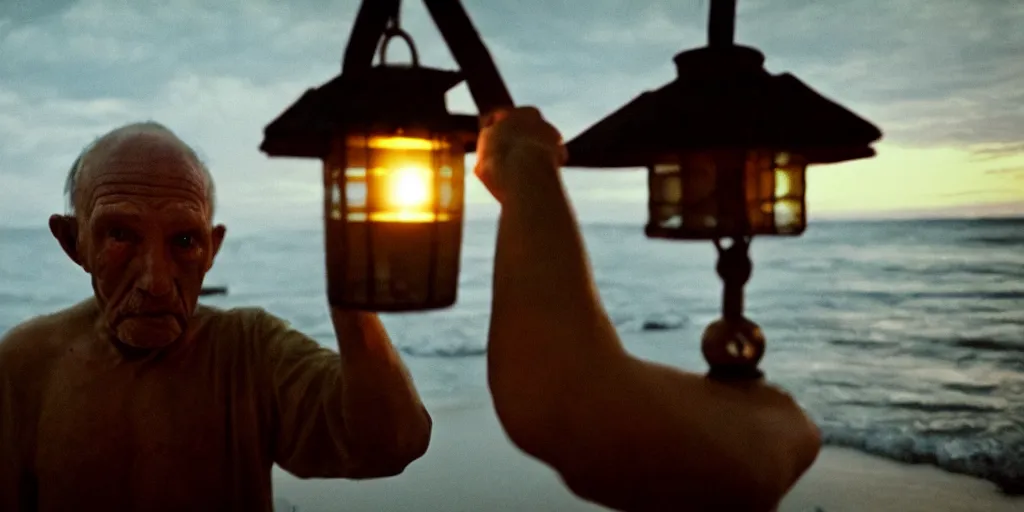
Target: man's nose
156	279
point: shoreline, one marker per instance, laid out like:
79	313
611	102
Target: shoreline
471	466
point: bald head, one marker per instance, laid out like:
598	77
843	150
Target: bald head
145	139
142	205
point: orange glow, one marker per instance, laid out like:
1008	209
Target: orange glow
404	179
408	194
409	188
406	143
408	217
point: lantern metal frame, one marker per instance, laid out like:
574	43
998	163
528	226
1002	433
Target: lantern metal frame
724	101
382	100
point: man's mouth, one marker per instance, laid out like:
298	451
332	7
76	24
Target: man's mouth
148	329
152	315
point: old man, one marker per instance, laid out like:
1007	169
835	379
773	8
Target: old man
140	399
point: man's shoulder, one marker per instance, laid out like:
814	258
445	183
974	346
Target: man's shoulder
44	334
253	331
243	315
250	323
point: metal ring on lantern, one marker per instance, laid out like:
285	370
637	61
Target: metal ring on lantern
392	31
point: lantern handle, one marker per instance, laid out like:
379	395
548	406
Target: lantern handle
392	31
482	77
371	21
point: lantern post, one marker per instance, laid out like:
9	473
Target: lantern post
393	160
726	146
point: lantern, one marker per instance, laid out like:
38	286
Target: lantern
716	194
393	174
726	146
392	160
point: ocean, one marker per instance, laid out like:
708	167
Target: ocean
903	339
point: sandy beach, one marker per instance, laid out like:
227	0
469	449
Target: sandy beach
470	466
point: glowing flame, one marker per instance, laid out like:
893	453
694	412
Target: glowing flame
409	188
401	184
406	143
408	195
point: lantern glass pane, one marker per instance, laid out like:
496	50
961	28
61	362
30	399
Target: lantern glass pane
683	198
705	212
787	198
724	193
664	195
672	189
355	189
394	234
444	195
405	177
789	216
760	191
789	183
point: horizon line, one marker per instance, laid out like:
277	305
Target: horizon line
830	219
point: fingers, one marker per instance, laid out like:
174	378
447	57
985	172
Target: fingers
493	117
505	128
524	114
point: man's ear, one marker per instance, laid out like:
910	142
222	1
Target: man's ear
65	230
216	239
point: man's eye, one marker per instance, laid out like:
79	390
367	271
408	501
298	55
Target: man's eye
119	234
184	241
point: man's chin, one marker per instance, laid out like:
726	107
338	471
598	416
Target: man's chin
149	331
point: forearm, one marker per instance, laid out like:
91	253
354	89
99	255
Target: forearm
547	324
382	409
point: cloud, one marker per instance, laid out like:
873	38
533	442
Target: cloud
20	13
1016	173
992	151
930	72
216	76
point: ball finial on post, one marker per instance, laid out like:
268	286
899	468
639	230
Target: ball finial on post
733	345
733	348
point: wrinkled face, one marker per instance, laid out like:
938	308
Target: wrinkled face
145	236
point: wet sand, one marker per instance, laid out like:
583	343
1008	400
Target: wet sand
471	466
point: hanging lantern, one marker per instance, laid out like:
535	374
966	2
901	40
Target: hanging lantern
726	146
715	194
393	171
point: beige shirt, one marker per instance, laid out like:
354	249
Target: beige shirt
196	426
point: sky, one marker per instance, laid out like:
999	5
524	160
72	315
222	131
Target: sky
943	79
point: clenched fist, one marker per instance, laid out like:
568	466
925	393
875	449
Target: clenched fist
513	144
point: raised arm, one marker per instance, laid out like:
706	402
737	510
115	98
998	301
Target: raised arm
351	414
382	408
622	432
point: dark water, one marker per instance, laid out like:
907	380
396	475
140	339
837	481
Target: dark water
903	339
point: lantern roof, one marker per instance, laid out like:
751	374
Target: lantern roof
384	99
723	98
